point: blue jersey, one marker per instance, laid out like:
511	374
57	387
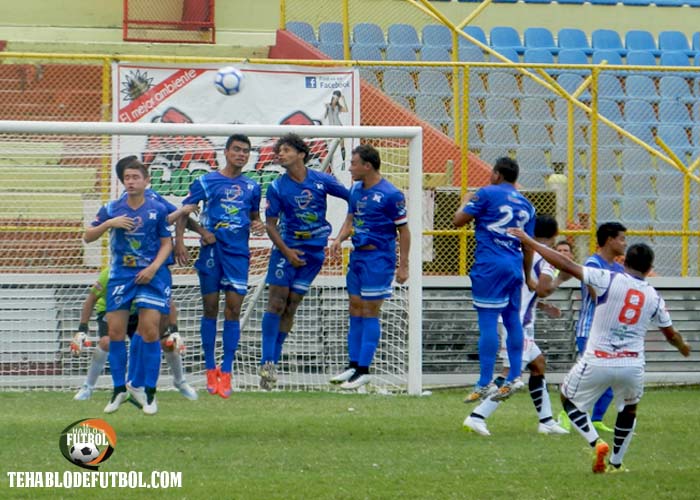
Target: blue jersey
496	208
376	212
301	207
228	204
134	250
585	318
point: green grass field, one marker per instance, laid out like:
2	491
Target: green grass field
335	446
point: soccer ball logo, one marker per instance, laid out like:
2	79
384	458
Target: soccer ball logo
228	80
83	453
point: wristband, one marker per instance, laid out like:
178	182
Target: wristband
83	328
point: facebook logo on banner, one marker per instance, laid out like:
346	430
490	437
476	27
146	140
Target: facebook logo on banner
311	82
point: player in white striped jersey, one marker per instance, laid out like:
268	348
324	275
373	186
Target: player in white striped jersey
626	305
546	230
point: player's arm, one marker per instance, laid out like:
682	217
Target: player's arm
461	217
558	260
335	188
291	254
343	234
86	311
122	222
146	275
404	248
547	283
676	340
255	223
527	267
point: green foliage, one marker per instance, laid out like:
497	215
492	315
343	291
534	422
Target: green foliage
314	445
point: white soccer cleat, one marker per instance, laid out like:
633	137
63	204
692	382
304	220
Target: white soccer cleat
186	390
84	393
356	381
151	405
138	394
118	397
78	343
175	341
343	376
551	427
477	425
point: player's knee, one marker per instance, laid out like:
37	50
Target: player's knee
232	313
537	366
104	343
276	305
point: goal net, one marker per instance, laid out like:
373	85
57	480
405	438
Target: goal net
54	176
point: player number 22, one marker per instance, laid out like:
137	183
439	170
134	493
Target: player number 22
503	223
632	308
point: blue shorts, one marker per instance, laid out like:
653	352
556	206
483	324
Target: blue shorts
219	270
495	287
121	292
298	279
370	274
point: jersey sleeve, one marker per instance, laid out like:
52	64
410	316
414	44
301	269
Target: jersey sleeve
549	270
477	204
255	200
196	193
163	231
598	279
396	209
160	199
530	224
661	317
274	203
99	288
102	216
335	188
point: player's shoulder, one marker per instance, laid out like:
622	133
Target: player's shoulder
388	188
593	261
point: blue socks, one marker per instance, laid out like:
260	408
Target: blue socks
208	332
281	337
371	331
514	342
270	330
601	406
231	336
488	343
134	372
150	360
355	338
117	362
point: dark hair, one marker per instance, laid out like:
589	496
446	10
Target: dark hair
126	162
369	154
563	242
337	93
237	138
293	141
508	168
546	226
608	230
639	257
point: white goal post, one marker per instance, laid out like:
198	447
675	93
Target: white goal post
41	164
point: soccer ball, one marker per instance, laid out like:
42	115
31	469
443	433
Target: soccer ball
228	80
83	453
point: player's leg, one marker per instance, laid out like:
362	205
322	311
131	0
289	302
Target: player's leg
172	346
476	420
371	333
354	330
116	325
231	337
599	409
537	385
209	272
97	363
628	392
280	275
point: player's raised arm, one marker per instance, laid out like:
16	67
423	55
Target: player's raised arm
550	255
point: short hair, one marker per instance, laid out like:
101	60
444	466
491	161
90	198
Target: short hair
608	230
508	168
639	257
546	226
294	141
369	154
337	93
237	138
563	242
125	162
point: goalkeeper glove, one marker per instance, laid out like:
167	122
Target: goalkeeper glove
175	341
80	340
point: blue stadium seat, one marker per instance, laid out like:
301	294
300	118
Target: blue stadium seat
675	87
636	160
535	109
603	2
500	109
333	50
570	82
612	56
641	40
368	34
365	53
637	3
574	38
400	53
533	89
302	30
696	43
635	209
561	136
539	1
437	35
609	86
676	58
573	2
403	35
675	137
500	134
399	82
605	39
608	139
641	131
641	58
674	112
534	135
670	3
506	37
641	87
509	53
432	108
434	82
368	75
330	33
572	56
538	56
475	32
403	101
470	53
674	41
430	53
638	111
611	110
500	83
539	38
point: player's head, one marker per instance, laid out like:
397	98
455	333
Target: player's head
121	165
640	258
564	248
291	148
135	177
365	160
505	170
237	150
546	229
611	236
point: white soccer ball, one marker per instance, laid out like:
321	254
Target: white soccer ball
84	452
228	80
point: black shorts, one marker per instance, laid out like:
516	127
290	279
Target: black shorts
103	331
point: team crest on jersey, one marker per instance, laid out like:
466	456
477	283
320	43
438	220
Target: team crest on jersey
233	193
377	197
360	206
304	199
152	215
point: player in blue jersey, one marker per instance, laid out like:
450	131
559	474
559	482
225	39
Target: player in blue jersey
376	212
297	201
231	207
140	244
612	243
500	265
